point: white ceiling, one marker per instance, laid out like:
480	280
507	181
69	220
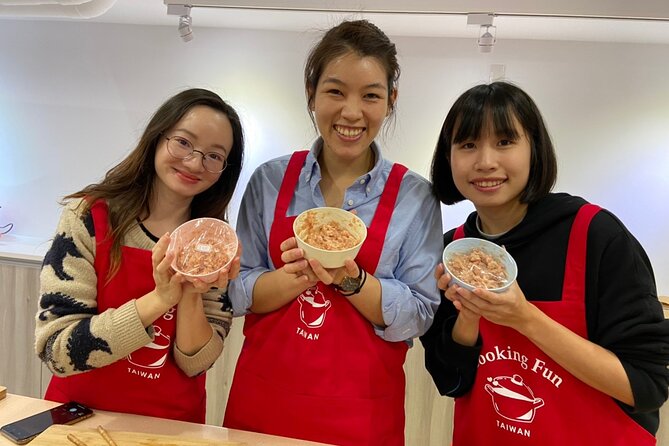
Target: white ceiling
154	12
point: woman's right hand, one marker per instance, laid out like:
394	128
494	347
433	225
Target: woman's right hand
295	263
274	289
451	293
169	287
466	328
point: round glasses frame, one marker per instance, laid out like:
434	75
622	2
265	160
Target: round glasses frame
181	148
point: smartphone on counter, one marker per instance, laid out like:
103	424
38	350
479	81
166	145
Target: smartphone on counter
22	431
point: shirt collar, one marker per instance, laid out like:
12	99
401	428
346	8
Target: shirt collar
312	171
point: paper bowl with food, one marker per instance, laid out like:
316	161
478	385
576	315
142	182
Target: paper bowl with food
477	263
329	235
202	247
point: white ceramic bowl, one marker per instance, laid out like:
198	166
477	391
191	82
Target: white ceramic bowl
202	248
479	274
329	235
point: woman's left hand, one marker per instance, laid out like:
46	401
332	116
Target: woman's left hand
334	275
509	308
295	263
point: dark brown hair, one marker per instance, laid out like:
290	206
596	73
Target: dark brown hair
127	187
359	36
499	103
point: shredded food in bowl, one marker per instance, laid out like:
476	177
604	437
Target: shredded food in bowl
203	254
478	268
330	236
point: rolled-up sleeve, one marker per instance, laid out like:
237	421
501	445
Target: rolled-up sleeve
409	294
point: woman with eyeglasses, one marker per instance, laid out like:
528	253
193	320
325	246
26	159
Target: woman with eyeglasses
117	327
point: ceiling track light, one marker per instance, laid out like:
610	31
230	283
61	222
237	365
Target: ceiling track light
487	32
185	31
185	20
487	38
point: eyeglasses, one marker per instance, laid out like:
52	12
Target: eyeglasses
181	148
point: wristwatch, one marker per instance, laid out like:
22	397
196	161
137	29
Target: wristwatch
352	285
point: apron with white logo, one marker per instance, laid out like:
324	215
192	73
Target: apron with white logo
314	369
522	397
148	381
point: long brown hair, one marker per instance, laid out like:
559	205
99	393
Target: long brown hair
127	187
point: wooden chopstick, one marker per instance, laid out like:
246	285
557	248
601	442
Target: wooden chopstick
76	441
106	436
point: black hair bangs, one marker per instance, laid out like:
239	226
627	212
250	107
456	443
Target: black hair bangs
485	108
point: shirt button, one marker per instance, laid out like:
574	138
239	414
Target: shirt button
362	181
369	189
350	202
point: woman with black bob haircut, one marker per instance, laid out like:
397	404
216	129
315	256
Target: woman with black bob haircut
120	330
575	351
497	103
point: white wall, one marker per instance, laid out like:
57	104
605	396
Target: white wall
74	98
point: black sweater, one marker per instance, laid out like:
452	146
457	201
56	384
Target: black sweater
623	313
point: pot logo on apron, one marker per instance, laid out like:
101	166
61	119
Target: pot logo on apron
154	354
512	398
313	307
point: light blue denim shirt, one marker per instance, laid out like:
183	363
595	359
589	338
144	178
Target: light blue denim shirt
412	249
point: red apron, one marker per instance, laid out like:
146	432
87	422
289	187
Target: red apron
148	381
314	369
522	397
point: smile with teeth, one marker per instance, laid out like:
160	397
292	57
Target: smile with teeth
349	132
491	183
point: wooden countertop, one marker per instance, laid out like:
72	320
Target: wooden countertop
15	407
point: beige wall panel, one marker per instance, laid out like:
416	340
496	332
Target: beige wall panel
219	378
19	365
